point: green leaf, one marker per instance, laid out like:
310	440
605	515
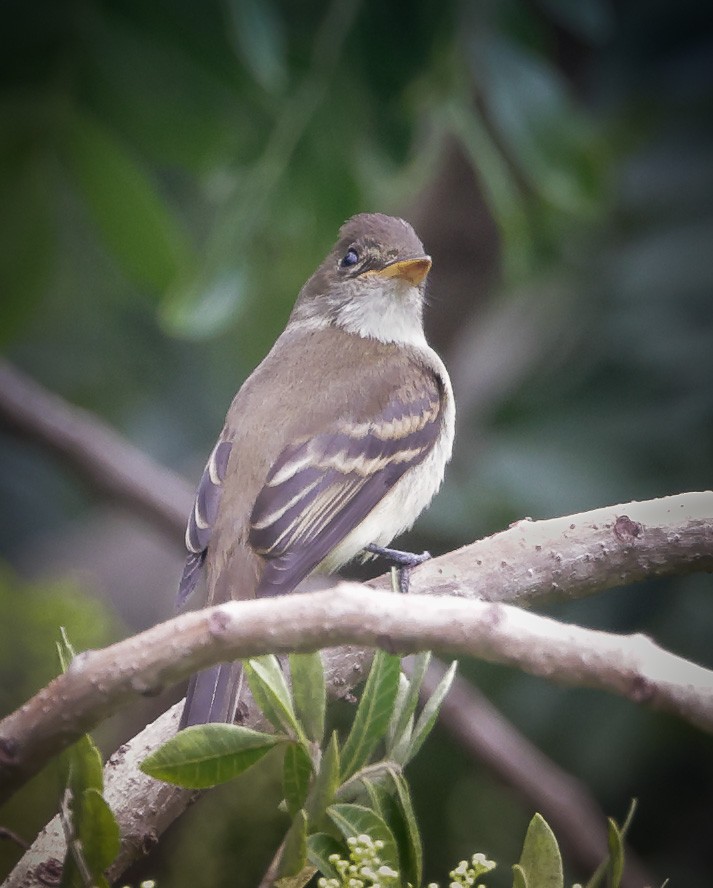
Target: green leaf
601	871
373	714
84	766
294	852
309	692
97	840
356	820
407	709
98	831
325	785
65	651
320	847
540	861
407	833
296	776
271	693
616	853
429	714
401	694
136	223
519	879
204	755
388	806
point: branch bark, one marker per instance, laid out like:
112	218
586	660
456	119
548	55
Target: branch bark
100	682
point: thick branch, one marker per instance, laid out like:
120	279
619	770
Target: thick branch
103	458
99	682
558	559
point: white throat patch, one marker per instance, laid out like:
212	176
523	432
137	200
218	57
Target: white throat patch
390	311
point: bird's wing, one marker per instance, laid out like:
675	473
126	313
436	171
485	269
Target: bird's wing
322	487
202	517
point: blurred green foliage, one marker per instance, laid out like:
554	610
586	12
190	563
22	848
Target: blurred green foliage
32	614
170	174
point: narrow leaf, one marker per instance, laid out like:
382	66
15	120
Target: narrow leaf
84	765
271	693
400	752
204	755
98	832
615	841
373	713
404	713
540	860
401	694
409	839
356	820
386	804
376	797
598	875
320	847
429	714
325	784
296	776
309	692
294	852
65	651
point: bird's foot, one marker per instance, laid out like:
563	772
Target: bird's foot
404	562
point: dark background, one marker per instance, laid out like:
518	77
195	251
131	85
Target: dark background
171	172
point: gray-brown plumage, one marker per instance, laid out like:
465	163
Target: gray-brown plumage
337	440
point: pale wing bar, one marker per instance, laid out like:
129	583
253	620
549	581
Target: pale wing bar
318	490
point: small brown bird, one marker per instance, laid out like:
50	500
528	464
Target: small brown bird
337	441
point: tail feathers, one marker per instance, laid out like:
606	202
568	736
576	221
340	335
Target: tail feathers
212	695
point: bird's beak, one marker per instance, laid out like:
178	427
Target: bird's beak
411	270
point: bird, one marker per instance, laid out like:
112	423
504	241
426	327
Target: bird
333	445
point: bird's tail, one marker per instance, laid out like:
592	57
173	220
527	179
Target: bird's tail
213	695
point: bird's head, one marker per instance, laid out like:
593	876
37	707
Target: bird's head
372	282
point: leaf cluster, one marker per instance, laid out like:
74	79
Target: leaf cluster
333	790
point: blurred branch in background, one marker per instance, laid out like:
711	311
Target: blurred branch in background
103	459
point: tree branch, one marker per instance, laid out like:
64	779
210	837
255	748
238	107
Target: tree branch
100	682
562	559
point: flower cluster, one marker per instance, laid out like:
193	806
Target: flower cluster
465	875
364	868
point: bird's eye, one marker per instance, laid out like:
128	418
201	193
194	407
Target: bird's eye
351	257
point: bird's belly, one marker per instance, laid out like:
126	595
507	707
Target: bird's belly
395	513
